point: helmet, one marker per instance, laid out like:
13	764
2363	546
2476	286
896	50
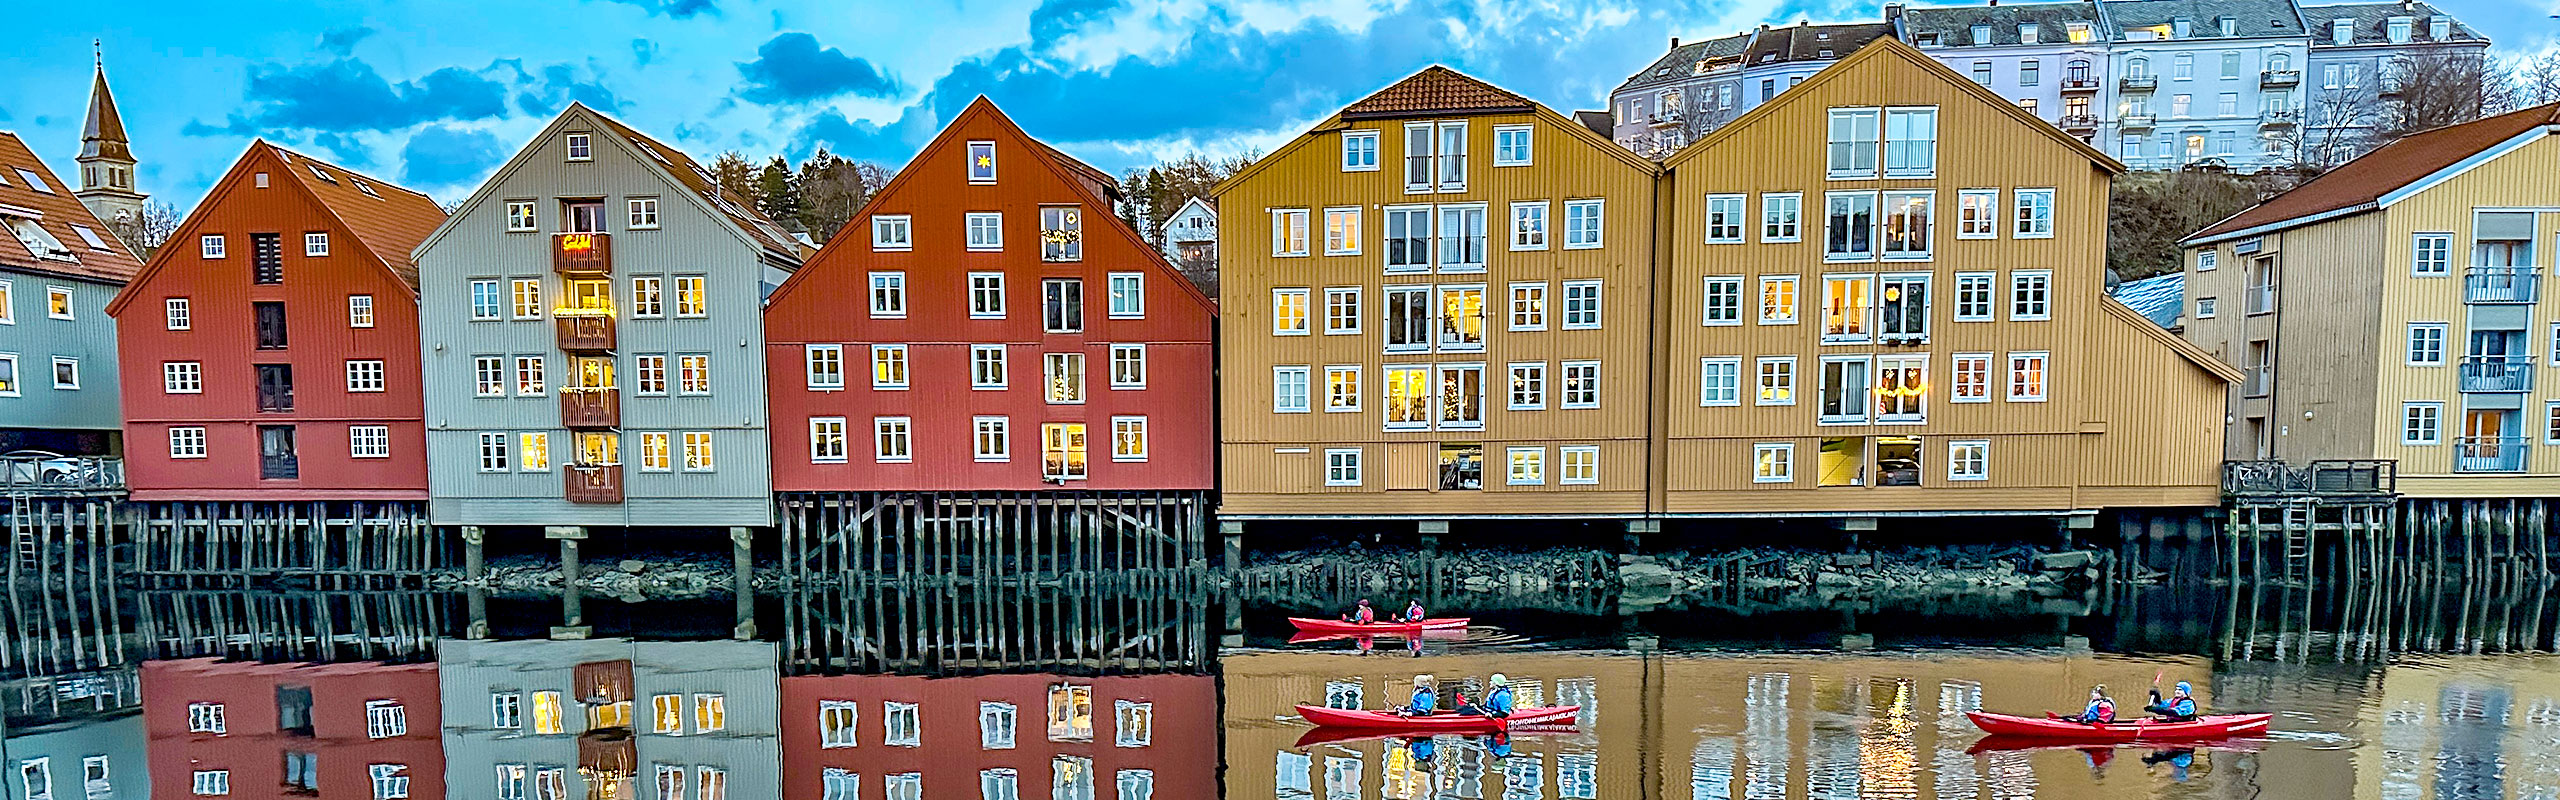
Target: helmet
1364	601
2183	688
1498	680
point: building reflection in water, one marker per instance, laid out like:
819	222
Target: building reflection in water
612	718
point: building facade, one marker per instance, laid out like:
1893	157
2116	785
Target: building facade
2363	53
1133	737
559	719
92	757
59	269
2227	88
1696	87
592	340
275	344
335	730
1191	234
1867	362
1388	354
2390	309
2049	58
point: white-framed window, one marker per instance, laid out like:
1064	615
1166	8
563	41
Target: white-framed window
1342	231
533	451
1581	305
648	297
1902	388
837	720
1910	142
364	375
1978	214
999	784
2034	214
580	147
1849	226
1724	218
997	725
210	246
520	217
693	374
893	232
657	453
186	441
1579	384
889	367
1773	462
178	318
644	213
1462	238
649	373
1970	378
991	438
1511	145
526	297
1845	399
826	440
2431	254
985	229
1341	311
1777	382
1360	151
1851	143
1526	466
900	724
1528	385
1529	225
1128	295
1578	465
359	311
2030	295
986	366
1342	466
315	244
2027	373
207	718
182	377
1408	238
211	783
1290	312
1128	366
1908	219
58	304
825	366
485	301
2426	344
1974	296
1461	396
1128	438
1528	306
2207	307
2205	260
1778	296
1289	232
1582	223
1407	396
369	441
1722	300
1719	381
1342	386
9	375
493	452
982	162
1781	217
888	295
1461	318
2422	423
697	451
66	372
384	719
1289	390
1969	460
838	783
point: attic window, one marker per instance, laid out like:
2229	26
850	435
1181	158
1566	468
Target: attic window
324	174
2230	27
367	189
581	147
91	237
982	162
262	180
1822	34
38	241
653	153
1768	57
34	181
1926	40
1822	53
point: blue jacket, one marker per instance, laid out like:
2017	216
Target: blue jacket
2099	711
1424	701
1499	703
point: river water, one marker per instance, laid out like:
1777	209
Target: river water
1044	692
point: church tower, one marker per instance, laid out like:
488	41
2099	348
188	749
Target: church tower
106	158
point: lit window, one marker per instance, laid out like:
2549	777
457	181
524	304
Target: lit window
1528	386
1578	465
826	440
1972	378
982	162
1128	438
836	723
888	366
1061	233
1773	463
697	451
1778	299
644	213
1342	231
1528	306
1908	217
1461	318
1341	389
1289	312
693	374
520	216
656	452
527	295
533	451
2026	377
1070	713
893	440
529	379
1977	215
1063	375
652	375
1902	388
690	301
1289	232
1777	385
1062	454
993	438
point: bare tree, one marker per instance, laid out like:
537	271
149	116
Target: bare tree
2534	79
144	232
833	189
2337	126
2432	90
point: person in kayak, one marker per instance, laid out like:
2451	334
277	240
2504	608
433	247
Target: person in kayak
1424	702
1413	612
1363	614
2101	710
2180	707
1497	701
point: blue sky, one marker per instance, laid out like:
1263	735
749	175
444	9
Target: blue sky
433	94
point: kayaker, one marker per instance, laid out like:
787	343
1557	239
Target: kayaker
1413	612
2179	759
2180	707
1497	702
1424	700
1423	749
2101	710
1363	614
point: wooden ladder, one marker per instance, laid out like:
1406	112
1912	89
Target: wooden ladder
2298	549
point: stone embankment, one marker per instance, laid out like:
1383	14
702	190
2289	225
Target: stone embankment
633	580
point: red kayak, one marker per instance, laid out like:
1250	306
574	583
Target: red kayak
1329	734
2139	730
1435	723
1432	634
1377	628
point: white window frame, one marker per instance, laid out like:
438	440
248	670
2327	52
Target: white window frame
580	147
1707	395
893	440
1985	224
1130	422
1786	452
1346	245
827	440
901	725
1598	232
1526	312
2042	294
2443	261
1771	205
1988	283
893	233
1710	287
1280	377
2435	424
1565	390
187	441
1306	312
1136	353
1526	237
993	223
2024	199
1289	233
894	356
359	311
1981	368
978	356
366	375
1351	399
2443	334
1528	144
368	441
839	736
983	287
1136	294
1578	465
1342	466
521	216
1536	463
643	214
991	430
887	294
211	246
823	365
182	377
1573	298
1729	208
315	244
1369	135
1979	460
989	712
1762	384
385	719
2044	384
1790	314
1342	319
1526	387
66	361
176	315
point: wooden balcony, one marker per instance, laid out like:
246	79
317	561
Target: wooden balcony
590	408
585	334
582	253
591	483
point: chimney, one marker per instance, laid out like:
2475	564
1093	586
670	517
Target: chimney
1892	11
1675	43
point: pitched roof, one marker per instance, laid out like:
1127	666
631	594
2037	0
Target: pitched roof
2177	344
1954	24
102	132
2370	23
1437	90
693	177
2160	297
2359	185
60	216
1810	42
2252	19
388	219
1683	61
1598	121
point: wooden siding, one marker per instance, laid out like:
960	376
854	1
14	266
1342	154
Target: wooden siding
90	336
2124	408
692	240
746	674
1260	475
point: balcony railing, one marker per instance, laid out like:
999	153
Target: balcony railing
591	483
579	253
584	334
2501	285
45	473
2497	373
2138	83
2079	83
2489	454
582	407
2279	118
2367	478
1664	118
279	467
2279	78
2079	122
2137	122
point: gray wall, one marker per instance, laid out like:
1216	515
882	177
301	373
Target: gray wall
691	240
36	338
66	745
746	673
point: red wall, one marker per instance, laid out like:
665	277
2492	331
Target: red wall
828	302
223	338
1183	754
253	750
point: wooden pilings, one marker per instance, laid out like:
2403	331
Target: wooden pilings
329	544
2365	582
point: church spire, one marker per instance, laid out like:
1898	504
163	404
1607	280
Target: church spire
106	157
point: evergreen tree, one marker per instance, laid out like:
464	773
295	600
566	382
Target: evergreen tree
777	194
833	189
734	174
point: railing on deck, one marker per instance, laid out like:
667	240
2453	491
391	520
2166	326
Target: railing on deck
52	474
2328	478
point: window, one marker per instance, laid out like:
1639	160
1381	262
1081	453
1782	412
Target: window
2183	106
1408	318
1342	311
2030	71
579	148
1062	305
1528	386
1408	397
359	311
1581	305
1128	366
1061	233
889	366
996	725
210	246
66	373
1128	438
1062	450
982	162
1902	388
986	230
2431	254
1360	151
315	245
1578	465
582	216
1063	374
1777	300
899	725
493	452
836	723
986	366
826	440
888	295
1528	466
2035	214
2206	306
1781	217
1529	226
1910	142
1462	238
2426	344
2026	377
1848	302
1724	218
1969	460
2030	295
1581	387
1289	232
1907	220
1849	226
520	216
1719	382
991	438
364	375
533	451
1341	389
2422	423
644	213
1461	318
1844	390
384	719
1289	312
892	232
506	711
1975	217
1289	390
697	451
1852	143
2183	67
1461	396
1972	383
8	375
2205	260
656	452
825	366
1773	463
1582	224
182	377
998	784
484	299
652	375
206	718
1973	296
693	375
1342	467
1777	381
1723	301
527	293
1408	238
212	783
1511	145
548	714
369	441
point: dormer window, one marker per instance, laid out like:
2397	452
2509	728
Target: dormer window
581	147
1981	35
2439	28
2398	28
39	242
2342	31
2229	26
2026	33
982	162
1926	40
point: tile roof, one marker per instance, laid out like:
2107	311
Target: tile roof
62	217
2362	182
1437	90
1809	42
2160	297
2254	18
389	219
1682	62
1954	24
2372	23
698	180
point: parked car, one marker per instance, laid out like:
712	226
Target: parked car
1897	472
45	468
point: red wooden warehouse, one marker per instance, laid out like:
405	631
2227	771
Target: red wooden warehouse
249	729
271	347
1133	737
988	334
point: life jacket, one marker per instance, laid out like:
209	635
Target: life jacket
1499	700
2184	706
2106	710
1413	614
1366	615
